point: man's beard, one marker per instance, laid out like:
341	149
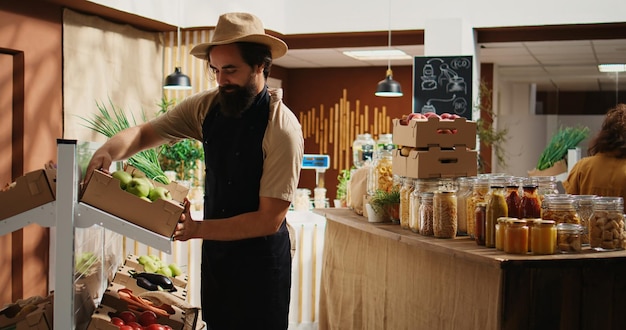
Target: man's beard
234	99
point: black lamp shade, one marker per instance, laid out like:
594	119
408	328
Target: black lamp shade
389	87
177	80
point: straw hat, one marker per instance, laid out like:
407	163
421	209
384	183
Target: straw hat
240	27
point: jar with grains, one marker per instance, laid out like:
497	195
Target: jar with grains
513	199
384	143
529	205
500	227
464	185
444	214
516	236
420	186
480	189
569	237
542	237
606	228
380	176
559	207
405	199
362	149
480	214
584	207
426	214
496	208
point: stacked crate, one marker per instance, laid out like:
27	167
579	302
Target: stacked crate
434	148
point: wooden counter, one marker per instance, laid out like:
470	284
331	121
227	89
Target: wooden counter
380	276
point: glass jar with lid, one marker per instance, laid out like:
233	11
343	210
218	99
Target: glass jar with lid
426	214
529	205
513	198
362	149
500	227
584	207
444	214
384	144
559	207
480	189
381	176
606	228
480	214
516	236
569	237
405	201
420	186
543	236
464	185
546	185
496	208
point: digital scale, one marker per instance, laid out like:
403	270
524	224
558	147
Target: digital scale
319	163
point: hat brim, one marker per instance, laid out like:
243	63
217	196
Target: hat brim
277	46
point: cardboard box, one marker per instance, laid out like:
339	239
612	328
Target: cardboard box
436	163
111	304
124	278
161	216
131	261
435	132
31	190
40	319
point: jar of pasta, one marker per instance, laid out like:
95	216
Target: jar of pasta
606	228
480	189
464	192
426	214
405	199
584	208
560	207
542	237
380	176
516	236
569	237
444	214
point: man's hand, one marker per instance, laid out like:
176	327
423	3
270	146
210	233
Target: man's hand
186	227
101	160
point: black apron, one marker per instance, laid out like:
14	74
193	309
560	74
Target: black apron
246	283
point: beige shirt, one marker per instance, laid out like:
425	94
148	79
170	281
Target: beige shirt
600	175
283	144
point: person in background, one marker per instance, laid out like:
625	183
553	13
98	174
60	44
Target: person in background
603	173
253	148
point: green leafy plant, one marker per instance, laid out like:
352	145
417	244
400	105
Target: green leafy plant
564	139
382	200
112	120
488	135
342	183
181	157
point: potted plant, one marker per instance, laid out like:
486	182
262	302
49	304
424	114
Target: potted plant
386	204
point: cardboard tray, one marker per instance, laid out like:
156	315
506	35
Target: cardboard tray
430	133
122	277
111	303
436	163
161	216
179	281
31	190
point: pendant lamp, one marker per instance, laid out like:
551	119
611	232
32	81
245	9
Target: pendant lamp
389	87
177	80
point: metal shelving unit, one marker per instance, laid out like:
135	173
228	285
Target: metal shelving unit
66	214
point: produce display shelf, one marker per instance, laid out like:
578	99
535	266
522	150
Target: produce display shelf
65	214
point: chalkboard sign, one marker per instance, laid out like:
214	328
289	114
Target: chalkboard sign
443	84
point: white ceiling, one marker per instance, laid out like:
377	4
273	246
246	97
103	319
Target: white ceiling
551	65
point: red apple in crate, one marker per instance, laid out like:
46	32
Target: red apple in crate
135	326
146	318
117	321
127	317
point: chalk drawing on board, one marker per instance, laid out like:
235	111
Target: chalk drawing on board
459	105
429	80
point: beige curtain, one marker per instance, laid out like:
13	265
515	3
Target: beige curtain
108	63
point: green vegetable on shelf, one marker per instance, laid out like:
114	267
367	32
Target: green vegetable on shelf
564	139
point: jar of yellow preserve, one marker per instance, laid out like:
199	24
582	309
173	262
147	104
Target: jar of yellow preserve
543	237
500	227
516	236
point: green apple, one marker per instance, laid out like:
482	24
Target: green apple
124	178
159	193
142	260
175	269
151	267
146	199
138	187
164	270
